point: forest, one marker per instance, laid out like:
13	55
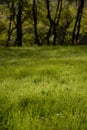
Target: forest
46	22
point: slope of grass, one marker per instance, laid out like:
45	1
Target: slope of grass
43	88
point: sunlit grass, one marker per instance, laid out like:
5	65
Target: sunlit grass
43	88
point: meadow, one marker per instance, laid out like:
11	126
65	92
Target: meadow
43	88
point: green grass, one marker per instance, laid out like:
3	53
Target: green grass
43	88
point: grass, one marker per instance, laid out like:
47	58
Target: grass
43	88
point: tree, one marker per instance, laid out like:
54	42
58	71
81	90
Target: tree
50	21
15	21
11	20
45	22
77	25
54	23
34	10
18	41
57	19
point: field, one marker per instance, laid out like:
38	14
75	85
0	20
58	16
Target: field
43	88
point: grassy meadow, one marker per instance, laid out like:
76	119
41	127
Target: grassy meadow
43	88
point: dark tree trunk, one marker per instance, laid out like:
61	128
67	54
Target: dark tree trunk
9	31
77	25
56	20
53	22
19	25
34	9
49	34
12	17
54	34
50	21
79	21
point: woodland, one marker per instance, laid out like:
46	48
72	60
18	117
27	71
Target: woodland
43	22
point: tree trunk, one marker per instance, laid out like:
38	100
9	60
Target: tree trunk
56	20
50	22
9	31
19	25
77	25
12	17
34	9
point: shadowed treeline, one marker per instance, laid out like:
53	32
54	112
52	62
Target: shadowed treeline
40	23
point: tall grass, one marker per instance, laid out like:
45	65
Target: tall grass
43	88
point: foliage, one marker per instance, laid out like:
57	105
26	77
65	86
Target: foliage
69	10
2	26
